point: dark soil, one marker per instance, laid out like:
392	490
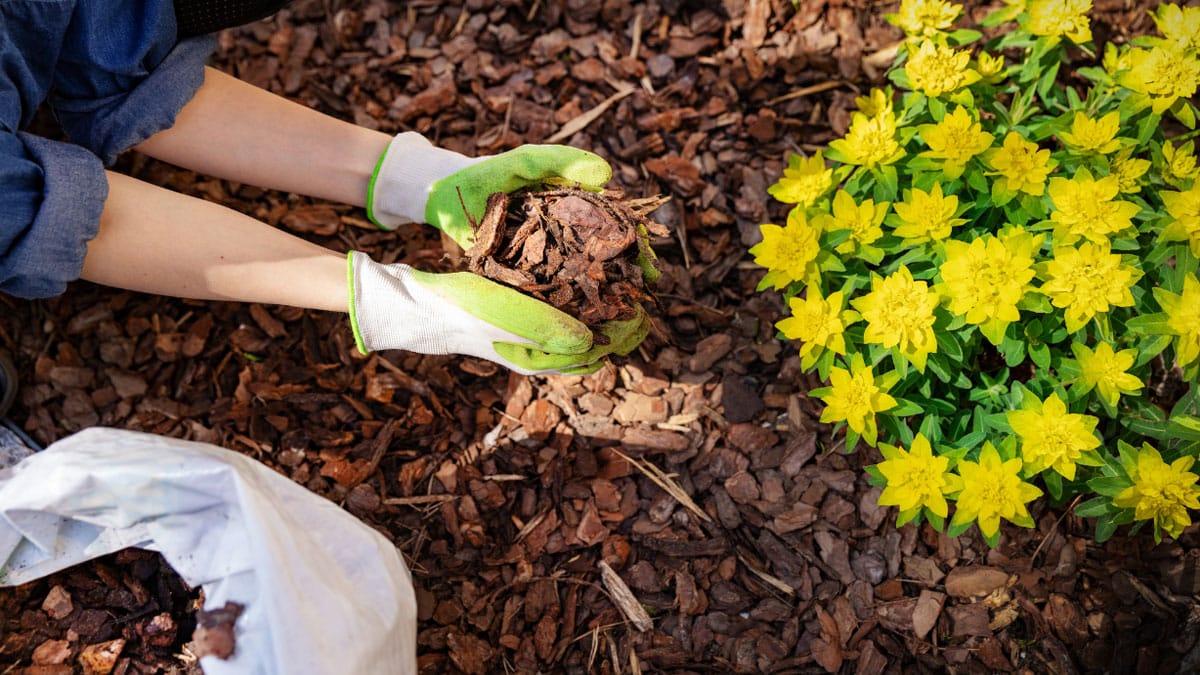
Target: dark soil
695	469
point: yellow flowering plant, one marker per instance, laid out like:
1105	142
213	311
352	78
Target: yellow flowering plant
996	269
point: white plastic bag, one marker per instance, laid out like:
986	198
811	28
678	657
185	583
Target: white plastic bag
323	593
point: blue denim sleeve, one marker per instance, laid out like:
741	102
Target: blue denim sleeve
51	196
115	76
111	95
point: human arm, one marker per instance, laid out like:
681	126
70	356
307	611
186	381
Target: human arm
159	241
234	130
237	131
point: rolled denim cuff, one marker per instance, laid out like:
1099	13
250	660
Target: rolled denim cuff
111	125
50	253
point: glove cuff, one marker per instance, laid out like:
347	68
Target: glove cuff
403	321
406	171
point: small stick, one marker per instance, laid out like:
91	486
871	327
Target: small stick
624	598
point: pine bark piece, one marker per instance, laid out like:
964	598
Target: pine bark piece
491	227
624	598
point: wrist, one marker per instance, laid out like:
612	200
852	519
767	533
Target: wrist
404	174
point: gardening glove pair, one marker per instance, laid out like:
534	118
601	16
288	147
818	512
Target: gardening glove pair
416	182
398	307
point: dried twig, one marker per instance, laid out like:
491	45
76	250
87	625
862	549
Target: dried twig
624	598
668	484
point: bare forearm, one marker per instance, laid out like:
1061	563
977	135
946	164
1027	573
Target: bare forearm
240	132
158	241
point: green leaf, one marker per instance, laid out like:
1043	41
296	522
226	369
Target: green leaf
888	184
1040	354
1105	528
1151	347
973	439
1053	484
1096	506
949	344
993	539
1152	429
1184	427
1147	127
999	422
1109	486
931	428
1150	324
1184	112
938	369
874	476
851	439
957	528
1048	79
905	408
937	108
938	522
963	36
1013	351
905	517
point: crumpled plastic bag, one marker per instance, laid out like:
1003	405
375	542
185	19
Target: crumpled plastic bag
323	592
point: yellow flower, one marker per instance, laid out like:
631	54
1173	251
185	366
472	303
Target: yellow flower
1184	208
1089	135
804	181
1068	18
924	18
1179	164
818	323
1183	319
861	219
1105	371
877	102
1164	73
1128	170
1087	281
1021	165
935	69
1117	58
1051	437
870	141
986	278
1180	26
927	216
993	489
955	140
789	253
1161	492
1086	207
899	313
916	478
854	397
990	68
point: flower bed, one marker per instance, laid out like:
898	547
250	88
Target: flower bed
995	271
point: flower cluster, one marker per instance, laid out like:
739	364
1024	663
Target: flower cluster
993	264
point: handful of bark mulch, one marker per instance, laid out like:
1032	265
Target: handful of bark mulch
585	253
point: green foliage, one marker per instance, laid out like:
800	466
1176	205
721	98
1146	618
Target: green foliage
992	261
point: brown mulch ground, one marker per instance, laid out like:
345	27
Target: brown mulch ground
508	495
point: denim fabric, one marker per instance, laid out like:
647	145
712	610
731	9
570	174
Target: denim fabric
113	75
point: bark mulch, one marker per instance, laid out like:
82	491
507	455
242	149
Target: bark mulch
681	510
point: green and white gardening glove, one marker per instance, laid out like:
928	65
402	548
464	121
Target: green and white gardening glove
416	182
398	307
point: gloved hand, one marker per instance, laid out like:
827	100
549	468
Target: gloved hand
398	307
417	182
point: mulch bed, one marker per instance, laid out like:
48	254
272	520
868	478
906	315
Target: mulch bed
694	469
